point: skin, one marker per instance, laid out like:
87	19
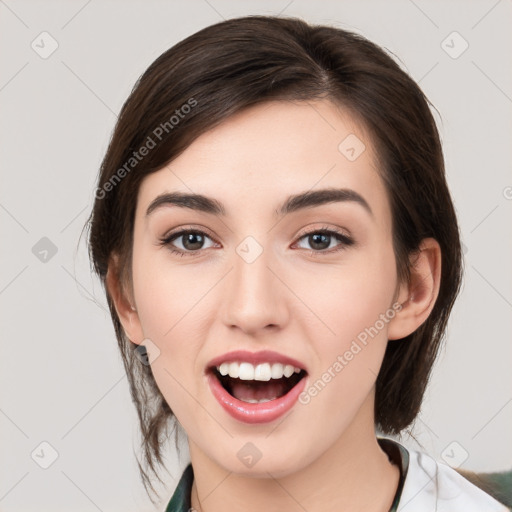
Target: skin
322	455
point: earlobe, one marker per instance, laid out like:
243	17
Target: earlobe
126	312
418	296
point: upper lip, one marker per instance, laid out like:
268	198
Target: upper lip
263	356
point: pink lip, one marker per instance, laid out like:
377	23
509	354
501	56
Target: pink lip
264	356
255	413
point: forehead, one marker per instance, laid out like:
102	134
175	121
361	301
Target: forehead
260	155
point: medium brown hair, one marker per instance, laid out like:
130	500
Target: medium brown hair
229	66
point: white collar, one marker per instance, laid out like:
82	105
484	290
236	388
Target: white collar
432	486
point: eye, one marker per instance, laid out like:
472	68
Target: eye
322	241
186	242
189	242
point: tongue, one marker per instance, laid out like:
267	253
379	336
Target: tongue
257	390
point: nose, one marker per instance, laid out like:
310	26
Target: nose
254	298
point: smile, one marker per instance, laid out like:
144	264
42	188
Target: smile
256	391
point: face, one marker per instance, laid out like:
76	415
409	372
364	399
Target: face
305	287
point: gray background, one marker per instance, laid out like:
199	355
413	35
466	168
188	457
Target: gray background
61	377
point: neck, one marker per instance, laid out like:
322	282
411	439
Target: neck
353	474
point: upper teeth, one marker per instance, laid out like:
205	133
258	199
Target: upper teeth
264	371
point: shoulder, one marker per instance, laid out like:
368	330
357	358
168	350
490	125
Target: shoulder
430	485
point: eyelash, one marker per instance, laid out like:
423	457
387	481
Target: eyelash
345	240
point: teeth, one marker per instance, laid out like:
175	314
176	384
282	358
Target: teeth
277	370
261	372
254	401
223	369
234	370
246	371
288	370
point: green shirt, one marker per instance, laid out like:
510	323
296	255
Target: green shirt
398	455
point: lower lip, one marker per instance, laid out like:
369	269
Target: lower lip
255	413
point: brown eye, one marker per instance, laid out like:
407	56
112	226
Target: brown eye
192	241
321	240
186	242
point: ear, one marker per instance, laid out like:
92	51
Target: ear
123	303
419	295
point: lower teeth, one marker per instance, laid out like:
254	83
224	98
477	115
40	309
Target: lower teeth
254	401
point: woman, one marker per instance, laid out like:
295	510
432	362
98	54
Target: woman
281	255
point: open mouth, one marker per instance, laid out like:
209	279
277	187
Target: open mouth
259	391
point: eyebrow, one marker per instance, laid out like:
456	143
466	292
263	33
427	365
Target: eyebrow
304	200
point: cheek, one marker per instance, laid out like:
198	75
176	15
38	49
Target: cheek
352	303
169	299
351	298
166	293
